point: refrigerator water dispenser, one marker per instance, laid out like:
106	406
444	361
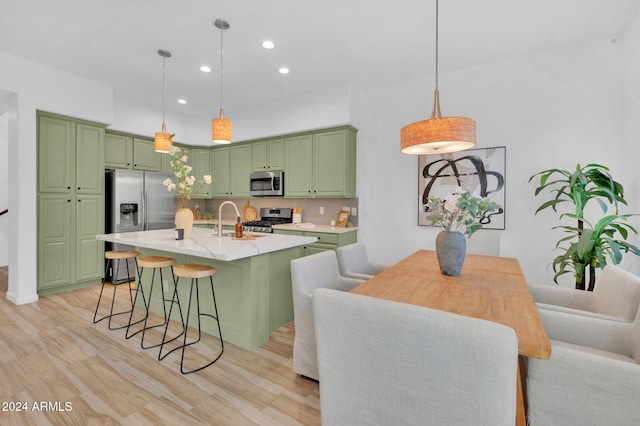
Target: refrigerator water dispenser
128	214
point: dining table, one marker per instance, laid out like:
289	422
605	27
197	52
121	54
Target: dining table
489	287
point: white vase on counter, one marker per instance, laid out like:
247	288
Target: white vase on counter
184	220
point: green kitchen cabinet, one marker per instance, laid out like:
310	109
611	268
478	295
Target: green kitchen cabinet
89	222
220	172
118	151
321	164
267	155
55	240
230	170
201	163
144	156
298	164
325	240
56	154
239	171
71	162
89	159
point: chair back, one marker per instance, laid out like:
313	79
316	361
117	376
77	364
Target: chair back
486	243
383	362
352	259
617	293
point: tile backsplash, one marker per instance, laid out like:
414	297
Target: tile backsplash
310	207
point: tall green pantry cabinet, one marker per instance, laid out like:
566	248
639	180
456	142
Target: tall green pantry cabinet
70	202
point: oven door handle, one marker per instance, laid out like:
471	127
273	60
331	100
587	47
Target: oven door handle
273	178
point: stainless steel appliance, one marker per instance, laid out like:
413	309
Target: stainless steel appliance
135	201
263	184
269	216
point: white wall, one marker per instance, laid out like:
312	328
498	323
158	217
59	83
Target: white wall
37	87
311	111
552	109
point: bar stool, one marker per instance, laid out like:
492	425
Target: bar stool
194	272
117	256
156	263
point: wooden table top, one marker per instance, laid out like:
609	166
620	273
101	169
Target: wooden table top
489	288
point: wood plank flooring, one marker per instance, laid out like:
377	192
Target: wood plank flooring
51	353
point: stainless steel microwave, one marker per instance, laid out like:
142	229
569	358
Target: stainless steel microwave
263	184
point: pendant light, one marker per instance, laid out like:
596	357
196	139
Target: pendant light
438	134
221	127
163	139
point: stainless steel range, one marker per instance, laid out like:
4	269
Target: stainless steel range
269	216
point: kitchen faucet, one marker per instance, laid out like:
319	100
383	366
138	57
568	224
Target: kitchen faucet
220	215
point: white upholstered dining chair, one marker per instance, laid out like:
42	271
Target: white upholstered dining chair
616	295
354	263
390	363
593	375
308	273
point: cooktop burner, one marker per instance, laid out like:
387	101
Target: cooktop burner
269	217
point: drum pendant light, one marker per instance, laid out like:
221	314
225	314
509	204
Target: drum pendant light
438	135
221	127
163	139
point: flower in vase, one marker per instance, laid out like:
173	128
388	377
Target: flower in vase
460	210
184	183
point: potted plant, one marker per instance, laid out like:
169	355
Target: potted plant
586	246
458	210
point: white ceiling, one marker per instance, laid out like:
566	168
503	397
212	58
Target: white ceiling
328	43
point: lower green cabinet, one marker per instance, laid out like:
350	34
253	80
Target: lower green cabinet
68	253
325	240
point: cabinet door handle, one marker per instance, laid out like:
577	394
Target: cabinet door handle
68	201
68	187
78	188
79	200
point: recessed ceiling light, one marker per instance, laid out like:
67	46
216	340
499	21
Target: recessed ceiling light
205	68
284	70
268	44
182	101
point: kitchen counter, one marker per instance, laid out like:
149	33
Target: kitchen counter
252	280
205	243
328	229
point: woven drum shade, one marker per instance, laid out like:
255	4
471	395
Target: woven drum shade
438	136
162	141
221	129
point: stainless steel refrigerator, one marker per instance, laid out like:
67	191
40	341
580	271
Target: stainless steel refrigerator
135	201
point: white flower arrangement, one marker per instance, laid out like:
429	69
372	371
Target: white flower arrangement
460	209
184	182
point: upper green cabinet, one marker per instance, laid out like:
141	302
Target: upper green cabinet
321	164
200	161
118	151
144	156
70	156
124	151
267	155
230	170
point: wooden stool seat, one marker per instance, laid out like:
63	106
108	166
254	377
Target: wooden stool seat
156	261
120	254
193	271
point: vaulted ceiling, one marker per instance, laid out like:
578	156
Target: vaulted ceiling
326	44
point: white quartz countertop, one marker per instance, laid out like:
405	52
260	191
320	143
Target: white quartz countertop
205	243
310	227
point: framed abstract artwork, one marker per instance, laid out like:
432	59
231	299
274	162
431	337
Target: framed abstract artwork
479	171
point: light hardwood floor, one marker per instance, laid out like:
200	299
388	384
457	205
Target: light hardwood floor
51	352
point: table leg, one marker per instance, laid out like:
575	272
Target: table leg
521	397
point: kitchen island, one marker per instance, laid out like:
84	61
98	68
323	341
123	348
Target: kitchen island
252	280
